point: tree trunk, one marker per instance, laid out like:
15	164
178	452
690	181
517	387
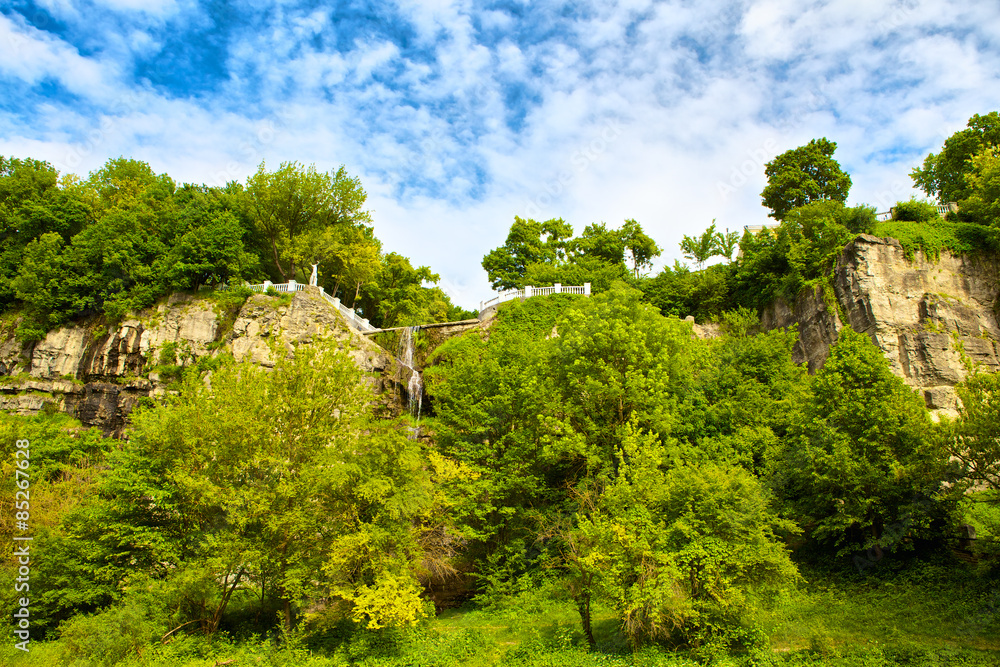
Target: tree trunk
263	590
583	606
277	262
217	616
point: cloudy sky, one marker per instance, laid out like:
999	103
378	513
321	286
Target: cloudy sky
460	115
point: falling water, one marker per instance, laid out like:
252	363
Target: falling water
415	387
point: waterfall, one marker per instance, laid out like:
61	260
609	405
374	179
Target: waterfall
415	387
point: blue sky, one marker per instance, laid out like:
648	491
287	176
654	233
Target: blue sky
458	116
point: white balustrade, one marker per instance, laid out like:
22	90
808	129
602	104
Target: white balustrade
530	291
363	324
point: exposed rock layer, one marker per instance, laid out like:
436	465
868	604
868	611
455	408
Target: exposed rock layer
914	310
99	374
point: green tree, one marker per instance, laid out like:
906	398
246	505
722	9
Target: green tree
64	460
687	554
863	456
122	182
495	416
982	203
596	256
396	296
347	257
295	200
641	247
528	242
278	480
211	253
32	203
803	175
753	392
781	261
599	242
944	175
914	211
727	244
973	439
701	248
618	360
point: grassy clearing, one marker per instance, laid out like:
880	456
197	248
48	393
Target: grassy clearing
930	608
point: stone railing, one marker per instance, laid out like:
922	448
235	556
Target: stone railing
353	319
529	292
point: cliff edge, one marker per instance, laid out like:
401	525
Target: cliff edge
99	373
914	309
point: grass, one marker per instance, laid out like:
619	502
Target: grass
917	615
931	607
933	236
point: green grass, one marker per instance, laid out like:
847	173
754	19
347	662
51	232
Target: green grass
898	614
933	236
886	613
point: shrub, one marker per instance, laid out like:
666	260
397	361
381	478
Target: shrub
914	211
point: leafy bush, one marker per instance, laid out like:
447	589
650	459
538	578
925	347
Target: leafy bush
107	637
933	236
914	211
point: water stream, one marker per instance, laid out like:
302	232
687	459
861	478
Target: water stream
415	387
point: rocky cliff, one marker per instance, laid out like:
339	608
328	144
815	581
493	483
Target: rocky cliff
99	373
913	309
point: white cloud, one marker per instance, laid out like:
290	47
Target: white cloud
155	7
33	56
698	97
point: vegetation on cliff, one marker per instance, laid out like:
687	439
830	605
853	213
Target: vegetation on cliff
590	484
117	241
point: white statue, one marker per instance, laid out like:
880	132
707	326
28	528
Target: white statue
314	279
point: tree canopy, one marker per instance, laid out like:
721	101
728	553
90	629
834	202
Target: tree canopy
803	175
944	174
295	201
542	254
126	236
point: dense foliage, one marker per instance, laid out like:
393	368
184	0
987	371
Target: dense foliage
593	482
125	236
542	254
804	175
944	175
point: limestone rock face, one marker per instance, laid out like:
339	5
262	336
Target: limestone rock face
91	353
913	309
99	374
818	326
263	331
